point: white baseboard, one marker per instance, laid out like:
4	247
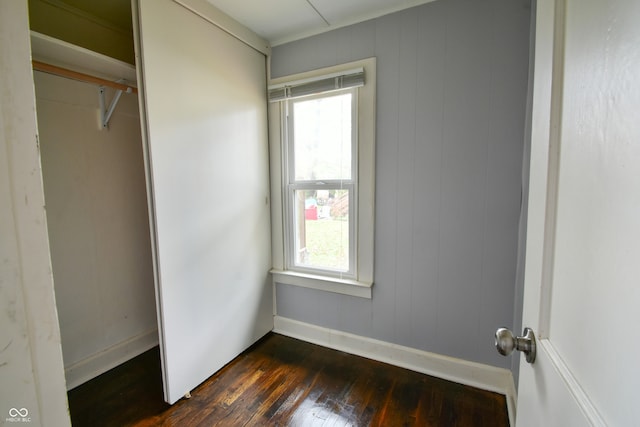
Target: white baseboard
99	363
473	374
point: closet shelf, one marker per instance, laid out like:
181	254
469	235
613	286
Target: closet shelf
66	60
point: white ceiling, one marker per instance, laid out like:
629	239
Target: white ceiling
281	21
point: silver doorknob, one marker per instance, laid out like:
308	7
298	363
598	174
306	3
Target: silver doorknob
506	342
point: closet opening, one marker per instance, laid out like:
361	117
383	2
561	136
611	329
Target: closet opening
96	205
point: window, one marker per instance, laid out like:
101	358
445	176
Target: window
321	147
322	151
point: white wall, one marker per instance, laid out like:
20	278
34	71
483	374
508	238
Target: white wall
98	226
31	374
451	102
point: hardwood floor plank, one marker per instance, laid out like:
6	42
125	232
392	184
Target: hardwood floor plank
281	381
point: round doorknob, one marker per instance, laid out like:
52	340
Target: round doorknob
506	342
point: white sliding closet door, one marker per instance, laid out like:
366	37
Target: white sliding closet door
207	163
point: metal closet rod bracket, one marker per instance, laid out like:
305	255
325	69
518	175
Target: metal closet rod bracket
105	113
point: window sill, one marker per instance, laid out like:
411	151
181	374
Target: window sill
323	283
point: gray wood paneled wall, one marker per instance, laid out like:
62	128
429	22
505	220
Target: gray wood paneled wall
451	106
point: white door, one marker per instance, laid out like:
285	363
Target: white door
582	280
204	101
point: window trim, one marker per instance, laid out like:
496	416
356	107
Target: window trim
361	283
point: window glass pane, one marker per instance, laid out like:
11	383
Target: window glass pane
322	138
322	229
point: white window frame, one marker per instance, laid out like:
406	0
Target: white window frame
359	281
291	185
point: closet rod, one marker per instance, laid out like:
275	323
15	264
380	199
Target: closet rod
63	72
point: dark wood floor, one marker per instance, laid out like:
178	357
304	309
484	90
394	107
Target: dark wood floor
281	381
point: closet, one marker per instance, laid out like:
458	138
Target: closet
97	215
162	217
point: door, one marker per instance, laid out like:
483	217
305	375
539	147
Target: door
205	105
583	241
